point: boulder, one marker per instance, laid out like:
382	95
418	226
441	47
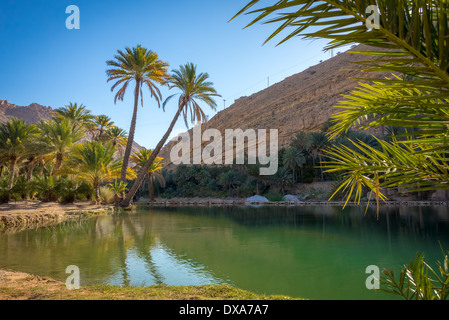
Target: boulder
256	199
440	195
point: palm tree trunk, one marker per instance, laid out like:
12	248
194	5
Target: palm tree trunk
132	129
321	169
127	201
12	168
150	187
58	162
30	169
97	193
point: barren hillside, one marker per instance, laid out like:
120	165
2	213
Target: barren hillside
302	102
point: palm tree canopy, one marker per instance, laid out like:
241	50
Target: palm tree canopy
57	135
77	114
142	156
95	161
137	64
293	158
194	87
14	136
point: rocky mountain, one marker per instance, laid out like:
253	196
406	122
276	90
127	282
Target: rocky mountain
301	102
31	114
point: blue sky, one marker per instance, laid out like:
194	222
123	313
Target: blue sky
44	62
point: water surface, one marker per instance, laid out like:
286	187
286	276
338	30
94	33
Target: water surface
311	252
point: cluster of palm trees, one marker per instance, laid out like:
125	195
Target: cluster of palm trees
76	146
71	148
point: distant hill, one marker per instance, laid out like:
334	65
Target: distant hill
31	114
301	102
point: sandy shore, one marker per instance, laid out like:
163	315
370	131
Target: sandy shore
21	215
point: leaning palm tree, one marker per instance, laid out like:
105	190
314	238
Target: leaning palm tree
14	136
154	172
412	38
144	67
193	88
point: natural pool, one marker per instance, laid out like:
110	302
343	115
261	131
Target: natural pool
311	252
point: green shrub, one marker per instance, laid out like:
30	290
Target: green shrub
84	192
5	192
45	188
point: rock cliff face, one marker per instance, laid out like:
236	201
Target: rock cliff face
302	102
31	114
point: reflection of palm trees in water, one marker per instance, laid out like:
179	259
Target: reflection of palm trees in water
143	245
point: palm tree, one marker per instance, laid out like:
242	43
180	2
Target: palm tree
293	159
94	163
78	115
194	87
283	179
117	136
145	68
118	187
103	123
57	137
14	136
317	142
155	171
411	38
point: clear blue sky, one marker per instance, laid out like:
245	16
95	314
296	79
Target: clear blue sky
42	61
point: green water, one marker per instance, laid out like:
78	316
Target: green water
311	252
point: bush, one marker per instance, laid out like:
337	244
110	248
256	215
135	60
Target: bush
273	196
5	192
66	190
21	189
45	188
84	192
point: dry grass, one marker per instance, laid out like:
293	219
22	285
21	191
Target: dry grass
23	286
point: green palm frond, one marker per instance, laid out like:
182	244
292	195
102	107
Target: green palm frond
194	87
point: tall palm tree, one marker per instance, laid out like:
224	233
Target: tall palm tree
154	172
144	67
78	115
14	136
193	88
57	137
94	163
